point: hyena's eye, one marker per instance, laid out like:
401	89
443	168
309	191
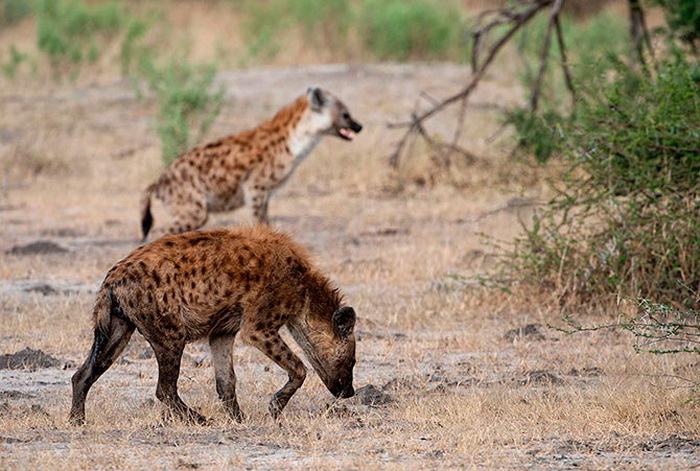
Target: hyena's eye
346	115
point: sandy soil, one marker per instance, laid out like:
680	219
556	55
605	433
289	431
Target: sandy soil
448	376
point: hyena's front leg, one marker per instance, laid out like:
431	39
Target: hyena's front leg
272	345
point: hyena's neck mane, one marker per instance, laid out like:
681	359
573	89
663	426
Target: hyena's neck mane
301	128
322	296
287	119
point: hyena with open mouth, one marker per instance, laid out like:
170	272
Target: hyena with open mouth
245	168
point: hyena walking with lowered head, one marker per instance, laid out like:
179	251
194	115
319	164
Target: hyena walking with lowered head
217	284
245	168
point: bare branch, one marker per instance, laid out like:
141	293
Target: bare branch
516	19
565	63
544	57
640	33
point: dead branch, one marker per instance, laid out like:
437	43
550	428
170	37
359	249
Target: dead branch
544	57
565	62
515	18
640	33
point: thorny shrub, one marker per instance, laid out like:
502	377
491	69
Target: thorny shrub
625	220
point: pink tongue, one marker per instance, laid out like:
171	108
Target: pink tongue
347	133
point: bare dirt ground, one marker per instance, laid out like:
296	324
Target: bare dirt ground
448	376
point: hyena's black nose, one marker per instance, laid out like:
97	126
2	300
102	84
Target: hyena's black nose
356	127
347	392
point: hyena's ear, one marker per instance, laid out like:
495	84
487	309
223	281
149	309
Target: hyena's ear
316	98
344	321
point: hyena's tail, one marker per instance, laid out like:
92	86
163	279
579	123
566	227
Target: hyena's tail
112	332
146	216
106	306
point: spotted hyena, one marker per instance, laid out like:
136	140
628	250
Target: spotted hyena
216	284
245	168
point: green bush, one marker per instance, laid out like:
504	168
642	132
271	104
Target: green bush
625	220
133	52
403	29
540	134
13	11
9	68
69	31
321	22
185	102
683	17
390	29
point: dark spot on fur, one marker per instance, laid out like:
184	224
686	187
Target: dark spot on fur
214	144
199	241
253	338
268	345
169	243
278	358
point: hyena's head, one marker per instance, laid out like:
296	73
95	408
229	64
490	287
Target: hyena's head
330	347
333	114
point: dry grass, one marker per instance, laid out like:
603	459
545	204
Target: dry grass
463	395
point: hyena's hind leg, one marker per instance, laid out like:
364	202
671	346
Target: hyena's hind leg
188	215
258	197
109	343
169	358
222	359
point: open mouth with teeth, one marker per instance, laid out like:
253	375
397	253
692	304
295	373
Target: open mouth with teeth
346	133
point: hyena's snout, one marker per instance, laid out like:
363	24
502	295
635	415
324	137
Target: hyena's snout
342	389
355	126
346	393
347	127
